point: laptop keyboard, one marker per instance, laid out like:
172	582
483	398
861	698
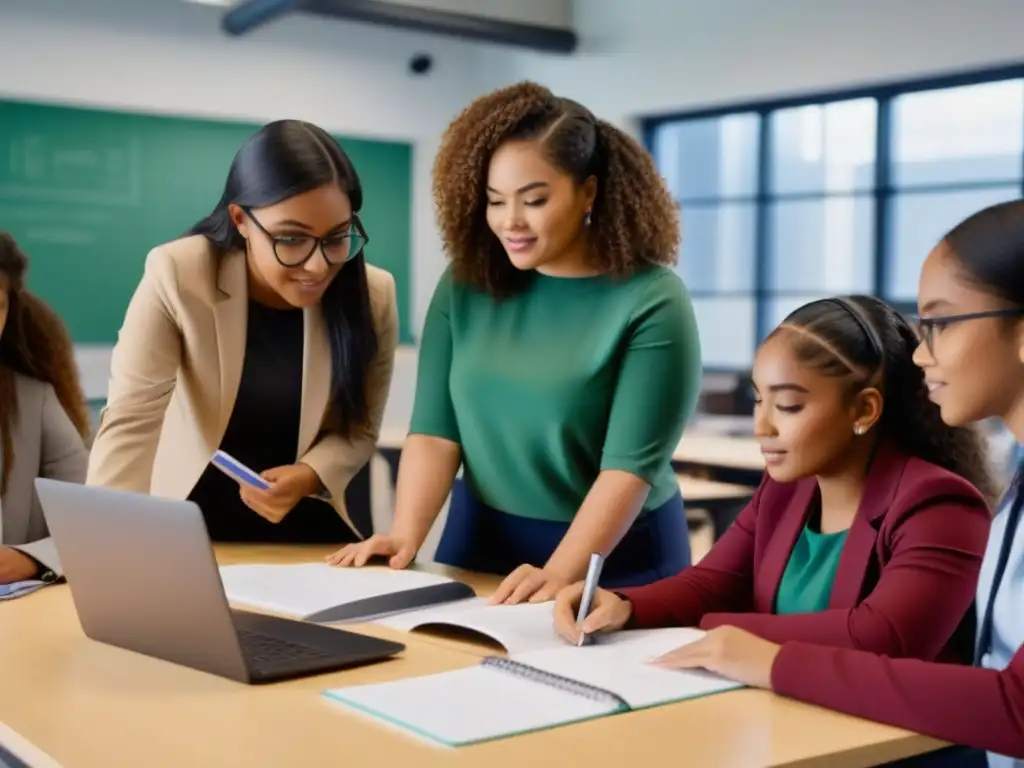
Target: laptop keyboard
263	649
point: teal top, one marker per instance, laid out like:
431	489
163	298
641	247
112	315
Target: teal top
806	584
546	388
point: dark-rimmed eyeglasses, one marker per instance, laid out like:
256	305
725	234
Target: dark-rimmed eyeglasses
925	326
336	247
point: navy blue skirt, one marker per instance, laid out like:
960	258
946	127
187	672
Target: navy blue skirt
478	537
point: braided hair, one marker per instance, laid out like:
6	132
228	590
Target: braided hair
864	340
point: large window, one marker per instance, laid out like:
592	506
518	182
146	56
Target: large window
783	203
712	167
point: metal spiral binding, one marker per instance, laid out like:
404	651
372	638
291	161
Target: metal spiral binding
567	684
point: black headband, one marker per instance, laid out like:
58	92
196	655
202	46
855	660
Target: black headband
865	324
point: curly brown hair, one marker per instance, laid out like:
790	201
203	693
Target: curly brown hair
869	344
634	219
35	343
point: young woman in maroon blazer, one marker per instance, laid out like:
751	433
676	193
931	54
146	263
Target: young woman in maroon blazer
971	300
868	529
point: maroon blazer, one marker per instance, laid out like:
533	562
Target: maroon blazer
905	582
975	707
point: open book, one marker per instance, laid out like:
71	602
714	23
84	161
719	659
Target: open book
535	690
400	599
322	593
516	628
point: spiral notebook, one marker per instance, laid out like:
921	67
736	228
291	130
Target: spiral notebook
502	697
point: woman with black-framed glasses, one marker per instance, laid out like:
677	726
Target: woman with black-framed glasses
971	303
265	334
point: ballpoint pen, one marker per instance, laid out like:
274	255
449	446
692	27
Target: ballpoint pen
589	588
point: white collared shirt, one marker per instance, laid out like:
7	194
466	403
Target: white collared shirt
1007	614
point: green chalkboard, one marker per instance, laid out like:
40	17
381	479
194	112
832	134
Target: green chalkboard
87	193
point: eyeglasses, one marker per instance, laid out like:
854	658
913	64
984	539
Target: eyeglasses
296	250
925	326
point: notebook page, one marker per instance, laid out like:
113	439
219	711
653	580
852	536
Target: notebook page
469	705
618	663
304	588
519	628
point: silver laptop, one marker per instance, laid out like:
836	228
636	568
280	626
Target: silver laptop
143	577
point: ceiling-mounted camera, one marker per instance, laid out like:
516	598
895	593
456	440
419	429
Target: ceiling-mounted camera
421	63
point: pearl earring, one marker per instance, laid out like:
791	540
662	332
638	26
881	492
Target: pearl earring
586	219
859	430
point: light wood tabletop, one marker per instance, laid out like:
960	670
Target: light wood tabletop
700	489
88	705
719	450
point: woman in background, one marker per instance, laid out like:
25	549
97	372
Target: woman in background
44	421
559	362
867	530
971	304
263	333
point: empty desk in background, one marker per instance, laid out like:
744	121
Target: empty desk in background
731	460
88	705
722	501
735	460
723	425
389	445
716	473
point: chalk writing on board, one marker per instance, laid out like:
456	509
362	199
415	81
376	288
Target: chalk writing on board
101	171
75	226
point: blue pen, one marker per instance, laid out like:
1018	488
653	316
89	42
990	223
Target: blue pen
589	588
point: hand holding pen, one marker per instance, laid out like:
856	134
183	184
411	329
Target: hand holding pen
581	612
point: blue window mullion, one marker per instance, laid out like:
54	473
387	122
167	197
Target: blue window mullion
762	234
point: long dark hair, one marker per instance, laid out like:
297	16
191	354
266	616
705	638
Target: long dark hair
281	160
989	245
867	342
35	343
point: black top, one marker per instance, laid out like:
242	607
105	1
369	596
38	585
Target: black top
263	432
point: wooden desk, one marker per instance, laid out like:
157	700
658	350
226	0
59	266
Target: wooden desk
721	501
732	460
720	424
87	705
726	459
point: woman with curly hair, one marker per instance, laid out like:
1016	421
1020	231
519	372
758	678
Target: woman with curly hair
44	422
560	359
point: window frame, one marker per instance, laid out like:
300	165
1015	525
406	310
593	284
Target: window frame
882	192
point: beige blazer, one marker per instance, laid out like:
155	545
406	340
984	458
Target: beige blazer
177	365
46	444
